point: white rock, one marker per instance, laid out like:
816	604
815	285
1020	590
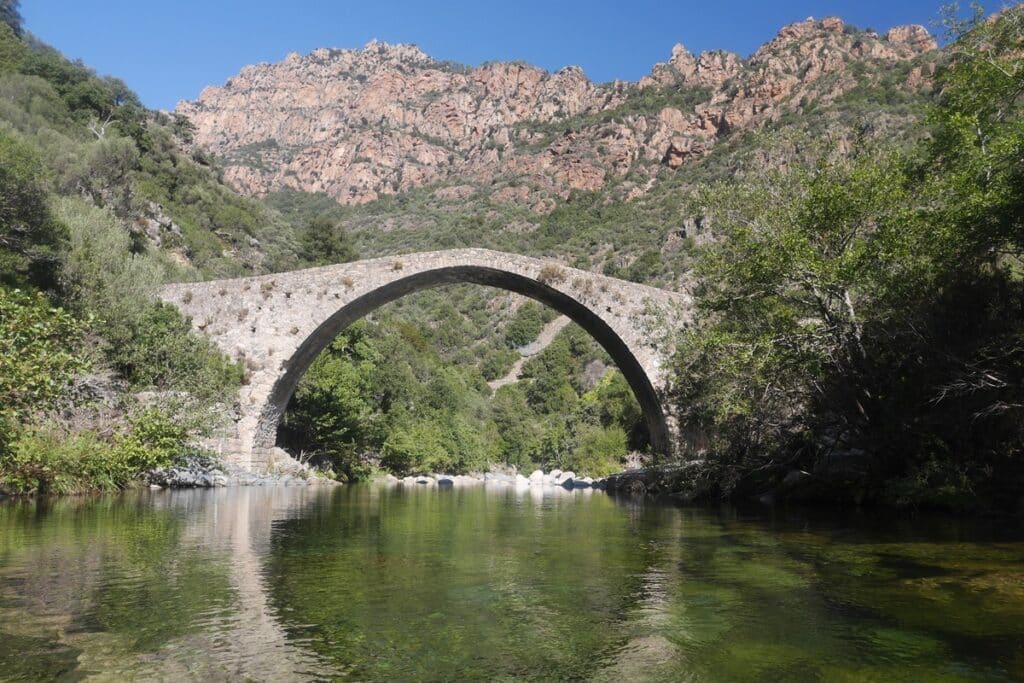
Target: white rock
536	477
521	481
555	474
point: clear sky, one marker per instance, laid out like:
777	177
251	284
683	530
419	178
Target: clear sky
169	50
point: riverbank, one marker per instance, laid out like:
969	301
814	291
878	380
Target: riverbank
849	483
206	472
538	478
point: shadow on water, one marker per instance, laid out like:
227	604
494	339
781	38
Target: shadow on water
305	583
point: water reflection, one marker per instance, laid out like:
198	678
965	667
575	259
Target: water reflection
165	584
306	583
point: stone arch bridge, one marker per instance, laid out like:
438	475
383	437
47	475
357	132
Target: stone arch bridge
277	325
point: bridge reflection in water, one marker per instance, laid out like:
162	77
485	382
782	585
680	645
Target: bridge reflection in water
174	584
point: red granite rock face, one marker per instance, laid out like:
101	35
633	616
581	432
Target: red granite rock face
360	124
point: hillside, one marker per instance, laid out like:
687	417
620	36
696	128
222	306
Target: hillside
798	191
358	125
425	154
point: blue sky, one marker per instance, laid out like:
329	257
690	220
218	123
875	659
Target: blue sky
170	50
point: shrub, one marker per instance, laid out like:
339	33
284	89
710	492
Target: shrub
157	349
324	241
46	460
551	274
525	326
38	355
599	453
497	363
154	440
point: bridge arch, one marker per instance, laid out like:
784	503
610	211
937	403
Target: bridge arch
278	324
322	336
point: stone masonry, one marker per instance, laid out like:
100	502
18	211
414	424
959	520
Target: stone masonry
276	325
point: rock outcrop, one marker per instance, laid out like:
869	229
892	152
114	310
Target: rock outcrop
361	124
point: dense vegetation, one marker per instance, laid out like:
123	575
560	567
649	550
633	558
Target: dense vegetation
862	319
97	381
102	201
860	313
388	393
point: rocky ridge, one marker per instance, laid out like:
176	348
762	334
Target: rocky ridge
362	124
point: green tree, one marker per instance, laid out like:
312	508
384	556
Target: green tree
804	259
415	447
599	453
517	426
13	51
525	326
39	355
331	414
876	304
31	239
324	241
613	403
151	344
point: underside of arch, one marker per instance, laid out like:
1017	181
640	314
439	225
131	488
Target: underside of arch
312	346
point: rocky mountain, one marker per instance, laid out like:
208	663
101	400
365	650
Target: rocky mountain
359	125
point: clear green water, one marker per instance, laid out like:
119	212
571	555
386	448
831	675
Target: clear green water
377	584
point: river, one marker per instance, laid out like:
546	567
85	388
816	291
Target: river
376	583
